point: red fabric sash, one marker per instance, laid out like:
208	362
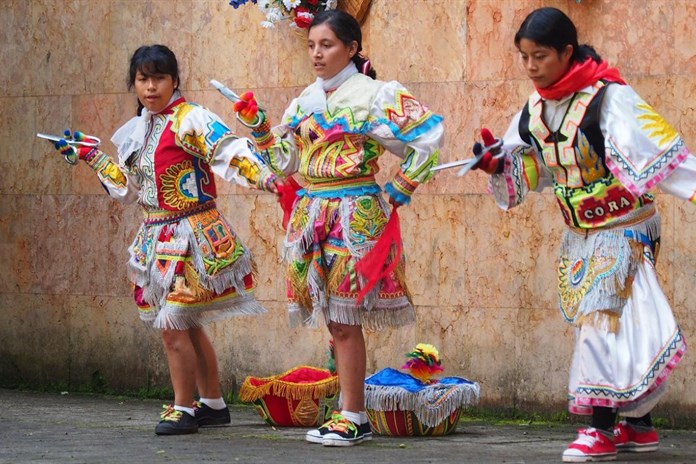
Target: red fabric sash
287	195
579	76
372	265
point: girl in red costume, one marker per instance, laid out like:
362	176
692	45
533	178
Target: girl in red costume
187	266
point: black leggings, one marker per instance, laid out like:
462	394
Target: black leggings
605	418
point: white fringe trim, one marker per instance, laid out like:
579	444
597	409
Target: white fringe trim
183	318
612	244
427	404
373	314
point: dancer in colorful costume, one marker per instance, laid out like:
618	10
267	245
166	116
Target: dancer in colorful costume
590	137
333	135
187	266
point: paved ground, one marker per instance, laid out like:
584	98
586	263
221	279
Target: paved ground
53	428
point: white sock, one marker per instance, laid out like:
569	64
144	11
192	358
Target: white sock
214	403
363	418
354	417
188	411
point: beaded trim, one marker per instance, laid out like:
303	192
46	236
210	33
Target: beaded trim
159	217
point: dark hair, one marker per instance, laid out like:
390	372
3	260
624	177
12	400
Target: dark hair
347	29
550	27
151	60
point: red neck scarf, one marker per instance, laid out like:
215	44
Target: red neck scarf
579	76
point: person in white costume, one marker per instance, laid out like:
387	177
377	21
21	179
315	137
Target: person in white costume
585	133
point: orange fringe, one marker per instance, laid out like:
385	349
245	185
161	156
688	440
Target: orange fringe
249	392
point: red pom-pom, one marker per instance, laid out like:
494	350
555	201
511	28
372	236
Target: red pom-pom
487	137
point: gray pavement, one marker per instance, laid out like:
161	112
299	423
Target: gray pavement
70	428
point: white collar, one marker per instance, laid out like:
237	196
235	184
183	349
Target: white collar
130	137
314	100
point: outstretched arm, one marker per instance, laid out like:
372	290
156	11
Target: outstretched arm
276	146
407	128
119	183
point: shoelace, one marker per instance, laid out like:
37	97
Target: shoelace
170	414
344	425
335	417
585	439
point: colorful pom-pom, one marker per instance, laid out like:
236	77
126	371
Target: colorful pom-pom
423	362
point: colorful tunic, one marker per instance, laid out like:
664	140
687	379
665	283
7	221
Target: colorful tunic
601	150
341	213
187	265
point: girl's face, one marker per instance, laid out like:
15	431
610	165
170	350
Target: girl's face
326	51
154	90
544	65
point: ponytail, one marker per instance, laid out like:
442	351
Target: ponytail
364	65
586	51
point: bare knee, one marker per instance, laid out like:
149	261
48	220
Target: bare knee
174	340
342	332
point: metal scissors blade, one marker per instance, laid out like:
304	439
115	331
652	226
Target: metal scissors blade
498	143
91	142
233	97
452	164
227	92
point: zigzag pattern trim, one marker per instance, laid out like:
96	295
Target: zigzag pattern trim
657	374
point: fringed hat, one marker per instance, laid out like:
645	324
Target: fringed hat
415	403
294	398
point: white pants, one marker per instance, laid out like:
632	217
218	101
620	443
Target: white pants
627	370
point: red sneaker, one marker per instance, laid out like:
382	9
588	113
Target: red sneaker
590	446
626	438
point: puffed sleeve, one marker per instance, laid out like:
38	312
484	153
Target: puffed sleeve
407	128
642	149
277	146
118	181
203	134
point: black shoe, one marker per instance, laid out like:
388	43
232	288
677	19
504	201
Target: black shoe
366	431
343	432
207	416
176	422
317	435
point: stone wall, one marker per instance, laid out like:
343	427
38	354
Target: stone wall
483	280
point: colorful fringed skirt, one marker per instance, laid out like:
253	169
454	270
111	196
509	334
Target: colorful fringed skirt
189	268
329	231
627	340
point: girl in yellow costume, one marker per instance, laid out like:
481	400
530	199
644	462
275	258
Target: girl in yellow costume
187	266
333	135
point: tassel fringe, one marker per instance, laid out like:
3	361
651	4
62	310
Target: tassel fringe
431	405
610	260
255	388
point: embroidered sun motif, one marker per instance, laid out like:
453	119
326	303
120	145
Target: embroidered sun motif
179	189
658	129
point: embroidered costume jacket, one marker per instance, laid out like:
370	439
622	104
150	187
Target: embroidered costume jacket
341	214
602	150
186	264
